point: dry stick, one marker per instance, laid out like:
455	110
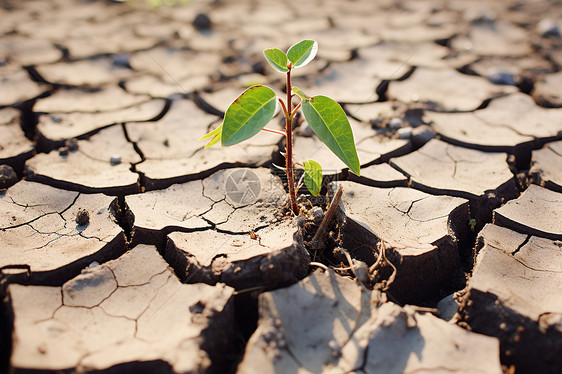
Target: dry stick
317	241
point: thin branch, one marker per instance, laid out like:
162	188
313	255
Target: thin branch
285	112
274	131
295	110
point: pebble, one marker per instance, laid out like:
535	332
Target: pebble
548	28
395	123
318	215
502	77
72	144
55	118
115	160
422	134
82	217
121	60
8	176
404	133
482	16
202	22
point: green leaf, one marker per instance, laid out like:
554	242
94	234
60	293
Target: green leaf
300	93
212	133
215	135
313	176
248	114
302	53
277	59
329	122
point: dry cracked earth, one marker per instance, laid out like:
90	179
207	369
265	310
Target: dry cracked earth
125	247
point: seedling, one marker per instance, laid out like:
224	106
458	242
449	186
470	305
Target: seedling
256	106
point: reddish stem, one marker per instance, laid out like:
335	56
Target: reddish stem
274	131
289	153
283	106
295	110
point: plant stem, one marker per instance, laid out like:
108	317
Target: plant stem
283	106
273	131
289	152
295	110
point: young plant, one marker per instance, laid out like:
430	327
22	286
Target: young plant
256	106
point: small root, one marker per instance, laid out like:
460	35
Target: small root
319	264
251	289
382	261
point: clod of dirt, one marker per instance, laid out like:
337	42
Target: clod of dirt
271	258
355	330
503	39
131	313
22	49
89	72
469	130
234	201
433	88
72	144
103	99
448	308
55	127
16	87
547	91
420	231
438	167
510	296
177	70
360	76
82	217
370	147
549	28
88	169
520	113
15	148
202	22
546	166
184	158
422	134
99	38
8	176
39	230
317	214
381	175
404	133
537	212
115	160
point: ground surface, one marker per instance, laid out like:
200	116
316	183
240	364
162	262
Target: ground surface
127	247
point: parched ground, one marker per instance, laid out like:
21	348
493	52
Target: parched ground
126	247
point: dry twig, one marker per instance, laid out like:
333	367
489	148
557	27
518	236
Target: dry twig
317	241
